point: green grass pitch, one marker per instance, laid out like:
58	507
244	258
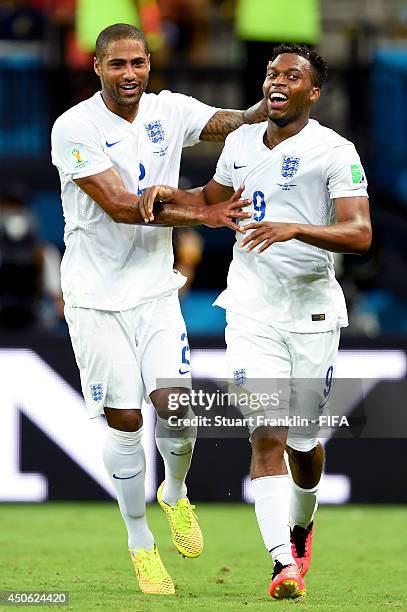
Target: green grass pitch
359	560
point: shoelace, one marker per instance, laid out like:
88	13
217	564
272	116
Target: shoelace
154	571
182	516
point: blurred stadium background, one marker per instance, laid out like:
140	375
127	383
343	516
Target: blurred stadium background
48	448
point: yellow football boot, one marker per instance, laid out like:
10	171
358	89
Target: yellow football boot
185	531
151	574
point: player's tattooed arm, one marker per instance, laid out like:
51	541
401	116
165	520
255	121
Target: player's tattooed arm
225	121
174	207
352	232
153	196
212	193
108	191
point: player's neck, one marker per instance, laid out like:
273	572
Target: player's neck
276	133
128	113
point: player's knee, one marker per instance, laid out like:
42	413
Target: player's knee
171	402
268	445
124	420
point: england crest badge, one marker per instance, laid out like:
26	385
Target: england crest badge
156	135
289	167
96	392
239	376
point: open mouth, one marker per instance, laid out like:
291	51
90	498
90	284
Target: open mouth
277	100
129	89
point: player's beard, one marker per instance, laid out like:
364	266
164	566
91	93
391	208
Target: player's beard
126	101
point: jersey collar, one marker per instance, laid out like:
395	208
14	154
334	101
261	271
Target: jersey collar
291	140
101	104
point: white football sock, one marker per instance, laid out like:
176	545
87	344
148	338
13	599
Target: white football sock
303	505
176	445
124	459
271	501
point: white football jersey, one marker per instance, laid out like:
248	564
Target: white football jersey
108	265
291	285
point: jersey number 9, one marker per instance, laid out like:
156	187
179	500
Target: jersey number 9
259	205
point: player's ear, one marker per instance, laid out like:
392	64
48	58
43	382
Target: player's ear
96	66
148	61
314	94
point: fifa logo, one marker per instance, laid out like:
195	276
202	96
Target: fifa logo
77	155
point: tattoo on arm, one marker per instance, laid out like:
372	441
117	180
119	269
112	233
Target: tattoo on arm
173	215
221	124
225	121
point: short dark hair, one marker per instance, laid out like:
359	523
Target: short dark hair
118	31
318	64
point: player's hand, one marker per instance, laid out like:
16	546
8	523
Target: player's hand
267	233
224	213
157	193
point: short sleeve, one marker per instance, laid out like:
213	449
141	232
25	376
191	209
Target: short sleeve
195	115
223	173
344	173
77	148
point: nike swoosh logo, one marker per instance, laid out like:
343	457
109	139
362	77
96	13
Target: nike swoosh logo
181	454
111	144
238	167
184	371
126	477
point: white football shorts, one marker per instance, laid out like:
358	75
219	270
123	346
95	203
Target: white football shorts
294	371
126	355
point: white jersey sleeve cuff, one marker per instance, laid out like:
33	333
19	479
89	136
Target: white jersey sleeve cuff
94	170
355	193
223	180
